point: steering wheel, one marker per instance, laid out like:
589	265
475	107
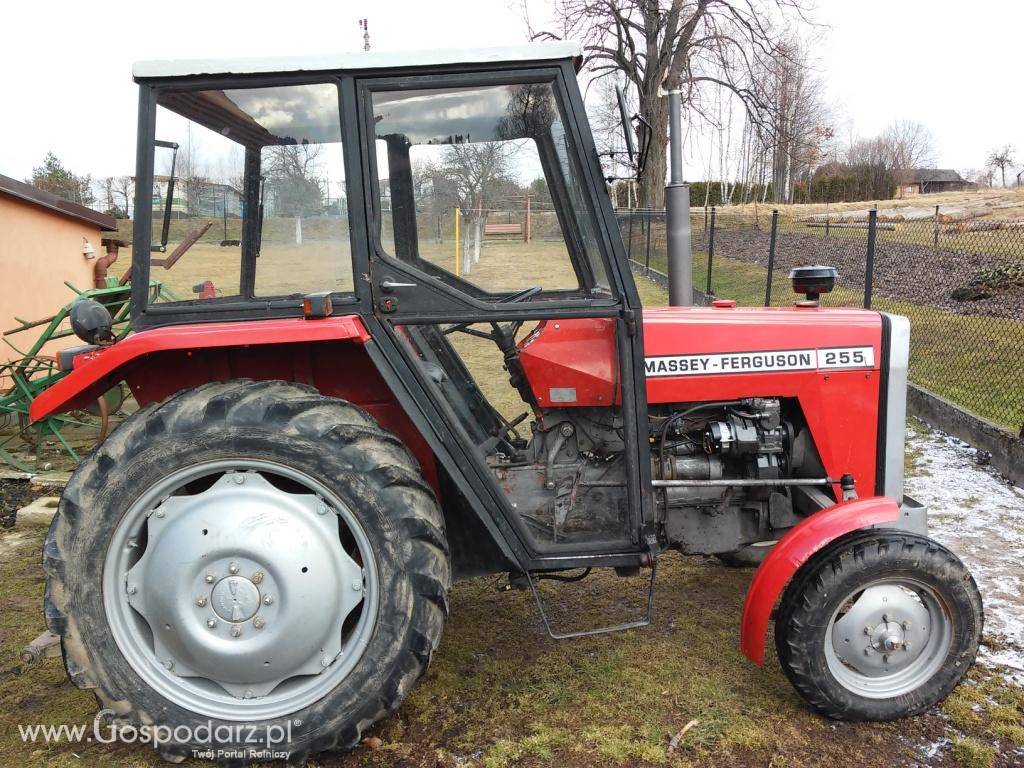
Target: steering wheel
523	295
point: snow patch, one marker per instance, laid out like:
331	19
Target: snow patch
978	515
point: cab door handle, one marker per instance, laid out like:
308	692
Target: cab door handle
388	285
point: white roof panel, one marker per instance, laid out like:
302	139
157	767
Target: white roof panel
357	60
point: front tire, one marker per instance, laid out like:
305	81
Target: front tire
248	553
879	625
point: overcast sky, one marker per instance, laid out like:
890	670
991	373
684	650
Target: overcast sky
65	67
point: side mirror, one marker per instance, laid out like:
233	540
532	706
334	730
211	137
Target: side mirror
627	128
637	159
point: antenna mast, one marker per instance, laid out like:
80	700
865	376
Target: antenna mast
365	26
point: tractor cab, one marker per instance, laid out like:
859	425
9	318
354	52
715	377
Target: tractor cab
459	210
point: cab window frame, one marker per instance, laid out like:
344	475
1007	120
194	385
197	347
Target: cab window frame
464	290
246	304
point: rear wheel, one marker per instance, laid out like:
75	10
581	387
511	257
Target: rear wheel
249	553
877	626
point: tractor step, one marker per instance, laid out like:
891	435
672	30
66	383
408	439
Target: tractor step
643	622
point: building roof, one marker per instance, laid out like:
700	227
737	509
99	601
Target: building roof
546	51
30	194
930	175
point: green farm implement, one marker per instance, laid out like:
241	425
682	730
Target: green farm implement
36	368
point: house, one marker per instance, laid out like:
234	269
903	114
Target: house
922	181
44	240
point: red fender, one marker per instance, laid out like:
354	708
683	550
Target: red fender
792	551
93	368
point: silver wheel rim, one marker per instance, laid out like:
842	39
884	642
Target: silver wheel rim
888	638
241	589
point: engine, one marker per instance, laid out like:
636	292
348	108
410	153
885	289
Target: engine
568	482
714	445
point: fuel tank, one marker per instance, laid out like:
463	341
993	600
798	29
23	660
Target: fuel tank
830	361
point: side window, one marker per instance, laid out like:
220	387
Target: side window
250	173
480	183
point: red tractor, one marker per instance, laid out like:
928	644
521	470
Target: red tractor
364	410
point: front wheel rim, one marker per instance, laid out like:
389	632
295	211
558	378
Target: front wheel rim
888	638
241	589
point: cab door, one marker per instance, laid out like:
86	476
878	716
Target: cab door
497	275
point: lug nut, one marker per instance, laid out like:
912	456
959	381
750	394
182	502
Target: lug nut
239	478
268	600
169	664
201	601
257	577
132	589
325	661
357	585
236	631
259	622
209	578
160	513
233	568
211	623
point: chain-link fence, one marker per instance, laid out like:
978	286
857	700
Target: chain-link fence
961	283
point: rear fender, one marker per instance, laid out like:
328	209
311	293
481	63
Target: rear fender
95	372
792	551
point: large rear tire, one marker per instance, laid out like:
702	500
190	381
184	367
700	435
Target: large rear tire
248	554
879	625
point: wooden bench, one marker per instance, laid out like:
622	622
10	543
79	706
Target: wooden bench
503	229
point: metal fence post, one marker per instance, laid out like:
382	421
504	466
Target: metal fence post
711	251
869	261
771	259
935	242
647	249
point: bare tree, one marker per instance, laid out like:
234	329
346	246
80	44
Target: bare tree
910	145
191	172
474	172
1001	159
684	44
295	178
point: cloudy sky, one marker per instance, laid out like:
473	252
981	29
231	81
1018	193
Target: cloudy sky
65	67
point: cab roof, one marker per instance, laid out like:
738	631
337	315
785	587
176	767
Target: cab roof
359	60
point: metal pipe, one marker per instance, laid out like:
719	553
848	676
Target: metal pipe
677	214
744	482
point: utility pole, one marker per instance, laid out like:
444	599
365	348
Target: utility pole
677	213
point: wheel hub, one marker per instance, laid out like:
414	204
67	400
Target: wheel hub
235	598
245	585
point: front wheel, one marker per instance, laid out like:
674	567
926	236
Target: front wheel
879	625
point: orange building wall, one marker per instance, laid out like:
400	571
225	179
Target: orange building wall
39	250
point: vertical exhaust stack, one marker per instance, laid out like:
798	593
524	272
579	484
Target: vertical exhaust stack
677	214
